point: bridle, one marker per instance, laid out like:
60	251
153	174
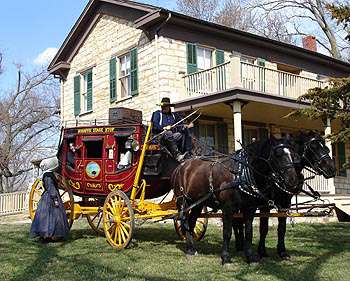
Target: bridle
316	164
277	171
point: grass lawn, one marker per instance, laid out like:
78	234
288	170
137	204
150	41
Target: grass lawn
319	252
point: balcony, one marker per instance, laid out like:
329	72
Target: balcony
236	73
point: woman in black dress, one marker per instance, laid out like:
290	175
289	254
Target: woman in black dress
50	220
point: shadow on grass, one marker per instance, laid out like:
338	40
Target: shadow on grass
88	257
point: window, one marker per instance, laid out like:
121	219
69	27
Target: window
214	136
125	77
204	58
93	148
252	133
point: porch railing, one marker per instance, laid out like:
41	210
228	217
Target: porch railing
207	81
12	203
276	82
318	183
248	76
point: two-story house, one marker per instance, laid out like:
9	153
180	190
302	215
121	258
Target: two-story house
127	54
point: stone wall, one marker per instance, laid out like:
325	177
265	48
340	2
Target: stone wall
342	184
111	37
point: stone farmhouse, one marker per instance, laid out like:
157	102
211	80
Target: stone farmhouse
127	54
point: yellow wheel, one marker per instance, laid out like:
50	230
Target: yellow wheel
65	193
118	219
95	221
199	229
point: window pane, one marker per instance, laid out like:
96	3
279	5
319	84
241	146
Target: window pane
93	149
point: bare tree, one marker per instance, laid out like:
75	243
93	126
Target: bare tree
234	14
239	15
28	121
309	17
202	9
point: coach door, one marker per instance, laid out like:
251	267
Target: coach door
93	163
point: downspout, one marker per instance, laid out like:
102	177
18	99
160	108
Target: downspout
156	36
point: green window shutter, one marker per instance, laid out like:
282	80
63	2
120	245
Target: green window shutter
89	90
134	72
191	58
341	159
261	62
77	95
221	72
113	80
220	57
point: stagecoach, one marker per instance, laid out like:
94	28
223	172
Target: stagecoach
94	184
94	181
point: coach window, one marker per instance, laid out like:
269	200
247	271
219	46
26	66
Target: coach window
93	148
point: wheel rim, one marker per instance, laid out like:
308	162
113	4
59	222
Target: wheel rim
199	229
34	197
118	220
65	194
96	221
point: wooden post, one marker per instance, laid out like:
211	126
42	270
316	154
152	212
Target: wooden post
237	124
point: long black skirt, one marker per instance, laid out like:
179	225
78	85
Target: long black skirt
50	220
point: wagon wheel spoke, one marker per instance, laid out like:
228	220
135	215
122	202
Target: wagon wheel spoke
123	232
118	219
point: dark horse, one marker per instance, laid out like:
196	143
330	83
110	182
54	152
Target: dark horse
314	154
229	185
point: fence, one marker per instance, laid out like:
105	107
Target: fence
318	183
12	203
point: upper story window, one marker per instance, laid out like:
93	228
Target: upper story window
125	75
201	58
83	92
204	58
86	89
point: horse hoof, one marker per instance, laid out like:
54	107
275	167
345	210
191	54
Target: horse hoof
191	252
263	255
253	259
228	266
284	256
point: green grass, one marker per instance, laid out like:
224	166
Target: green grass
319	252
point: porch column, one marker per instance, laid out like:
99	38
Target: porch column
237	124
328	131
235	71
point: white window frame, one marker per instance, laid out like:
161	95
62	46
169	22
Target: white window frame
206	61
124	62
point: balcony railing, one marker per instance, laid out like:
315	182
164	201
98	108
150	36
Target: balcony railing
207	81
248	76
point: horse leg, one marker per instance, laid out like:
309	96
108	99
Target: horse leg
237	225
263	230
227	233
191	223
248	221
281	248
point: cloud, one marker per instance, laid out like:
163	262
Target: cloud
46	56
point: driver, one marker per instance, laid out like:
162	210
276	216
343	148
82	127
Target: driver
164	119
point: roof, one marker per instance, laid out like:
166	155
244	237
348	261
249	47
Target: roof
148	16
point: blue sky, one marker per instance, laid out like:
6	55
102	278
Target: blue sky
28	28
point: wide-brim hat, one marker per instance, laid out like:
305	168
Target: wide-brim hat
49	164
165	102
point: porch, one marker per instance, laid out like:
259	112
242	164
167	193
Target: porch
240	74
247	120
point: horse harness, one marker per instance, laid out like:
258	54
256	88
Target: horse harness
244	181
